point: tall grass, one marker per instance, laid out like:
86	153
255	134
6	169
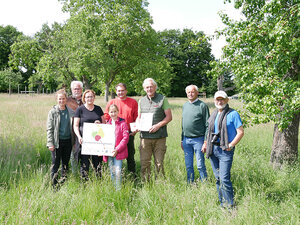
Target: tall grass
263	195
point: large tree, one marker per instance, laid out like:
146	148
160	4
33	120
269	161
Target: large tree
54	65
9	80
24	57
189	54
8	35
263	54
112	41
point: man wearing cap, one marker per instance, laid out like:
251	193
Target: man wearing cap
195	114
225	130
73	102
128	110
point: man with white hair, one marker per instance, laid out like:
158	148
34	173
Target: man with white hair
195	114
225	130
73	102
153	141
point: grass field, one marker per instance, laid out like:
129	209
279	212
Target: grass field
263	195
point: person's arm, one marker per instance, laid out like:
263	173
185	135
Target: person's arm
103	119
137	121
134	116
238	137
125	138
76	129
106	115
162	123
135	109
205	118
182	129
50	132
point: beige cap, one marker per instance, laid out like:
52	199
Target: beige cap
220	94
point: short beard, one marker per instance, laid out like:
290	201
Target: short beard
220	106
76	95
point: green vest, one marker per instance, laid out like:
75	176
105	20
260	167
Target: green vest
154	105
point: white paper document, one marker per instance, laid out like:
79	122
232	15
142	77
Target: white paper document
98	139
133	127
145	122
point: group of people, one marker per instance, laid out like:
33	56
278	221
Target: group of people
215	135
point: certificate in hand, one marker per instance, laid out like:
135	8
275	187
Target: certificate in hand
98	139
145	121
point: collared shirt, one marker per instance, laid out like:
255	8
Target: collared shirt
197	99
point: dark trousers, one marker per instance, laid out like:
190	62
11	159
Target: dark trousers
131	152
61	154
85	165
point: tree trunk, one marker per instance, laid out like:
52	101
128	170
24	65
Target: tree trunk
86	83
285	144
106	92
220	82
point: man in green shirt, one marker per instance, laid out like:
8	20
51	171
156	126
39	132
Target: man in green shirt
153	140
194	116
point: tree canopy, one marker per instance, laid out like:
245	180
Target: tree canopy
8	35
263	54
189	54
109	42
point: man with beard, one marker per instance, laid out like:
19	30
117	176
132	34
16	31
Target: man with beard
225	130
73	102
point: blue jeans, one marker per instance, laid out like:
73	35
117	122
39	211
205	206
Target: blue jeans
221	162
115	167
191	146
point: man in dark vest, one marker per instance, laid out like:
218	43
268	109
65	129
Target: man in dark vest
73	102
153	141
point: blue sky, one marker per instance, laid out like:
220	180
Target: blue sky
198	15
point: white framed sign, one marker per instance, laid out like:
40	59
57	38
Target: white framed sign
98	139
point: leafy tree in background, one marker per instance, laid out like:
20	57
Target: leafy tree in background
9	79
24	57
112	41
53	67
189	54
263	54
8	35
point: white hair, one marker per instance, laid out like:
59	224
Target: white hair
74	82
149	80
191	86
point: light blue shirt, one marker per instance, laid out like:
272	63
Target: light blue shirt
233	122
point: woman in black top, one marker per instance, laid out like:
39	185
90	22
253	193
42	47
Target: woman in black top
88	113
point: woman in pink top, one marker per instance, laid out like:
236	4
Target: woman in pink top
122	136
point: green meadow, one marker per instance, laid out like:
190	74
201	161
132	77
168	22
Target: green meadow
263	195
